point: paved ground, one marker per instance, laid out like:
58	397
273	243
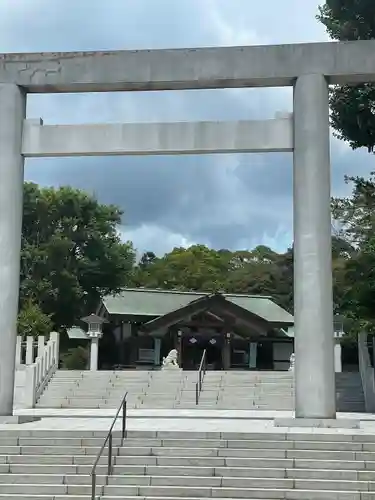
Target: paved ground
178	414
182	420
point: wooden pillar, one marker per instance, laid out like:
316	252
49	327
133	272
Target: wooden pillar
227	351
133	339
126	343
157	349
178	344
253	348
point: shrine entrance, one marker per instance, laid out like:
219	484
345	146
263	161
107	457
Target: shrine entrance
193	348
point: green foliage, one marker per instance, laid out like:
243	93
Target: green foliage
352	107
356	214
147	259
353	115
354	269
198	268
194	268
359	297
353	119
71	252
75	358
348	19
32	321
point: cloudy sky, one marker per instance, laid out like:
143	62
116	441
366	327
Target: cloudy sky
228	201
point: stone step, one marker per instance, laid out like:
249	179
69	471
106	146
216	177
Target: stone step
113	491
66	473
18	443
236	436
197	462
235	482
72	399
87	404
42	464
256	398
161	389
249	391
231	492
261	407
87	396
194	452
304	495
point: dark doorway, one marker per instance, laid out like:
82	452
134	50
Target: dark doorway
192	351
265	355
214	356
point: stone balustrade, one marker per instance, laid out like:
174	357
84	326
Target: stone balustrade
28	350
40	371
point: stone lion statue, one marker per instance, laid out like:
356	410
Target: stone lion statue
171	361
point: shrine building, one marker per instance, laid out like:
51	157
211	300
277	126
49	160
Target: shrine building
238	331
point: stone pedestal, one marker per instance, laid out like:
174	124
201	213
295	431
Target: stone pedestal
338	357
324	423
171	361
94	354
18	419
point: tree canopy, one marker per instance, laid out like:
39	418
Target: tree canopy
71	254
352	107
356	273
199	268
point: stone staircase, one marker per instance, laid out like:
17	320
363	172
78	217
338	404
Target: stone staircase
241	390
349	393
105	389
236	390
56	465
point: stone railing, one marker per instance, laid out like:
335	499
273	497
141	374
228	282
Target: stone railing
40	372
367	373
28	350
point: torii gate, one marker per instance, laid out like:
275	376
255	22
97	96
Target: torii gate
309	68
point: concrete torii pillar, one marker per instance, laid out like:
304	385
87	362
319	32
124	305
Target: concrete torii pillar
12	114
313	304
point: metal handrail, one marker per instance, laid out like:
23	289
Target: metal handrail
109	440
201	374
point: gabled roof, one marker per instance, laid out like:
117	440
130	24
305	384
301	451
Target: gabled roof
142	302
217	303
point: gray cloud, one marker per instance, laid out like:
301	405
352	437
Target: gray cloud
234	201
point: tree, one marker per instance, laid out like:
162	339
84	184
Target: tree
197	268
264	272
356	214
76	358
358	298
32	321
72	254
352	107
354	263
147	259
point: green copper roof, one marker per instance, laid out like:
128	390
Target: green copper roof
146	302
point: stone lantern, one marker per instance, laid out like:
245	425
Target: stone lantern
94	333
